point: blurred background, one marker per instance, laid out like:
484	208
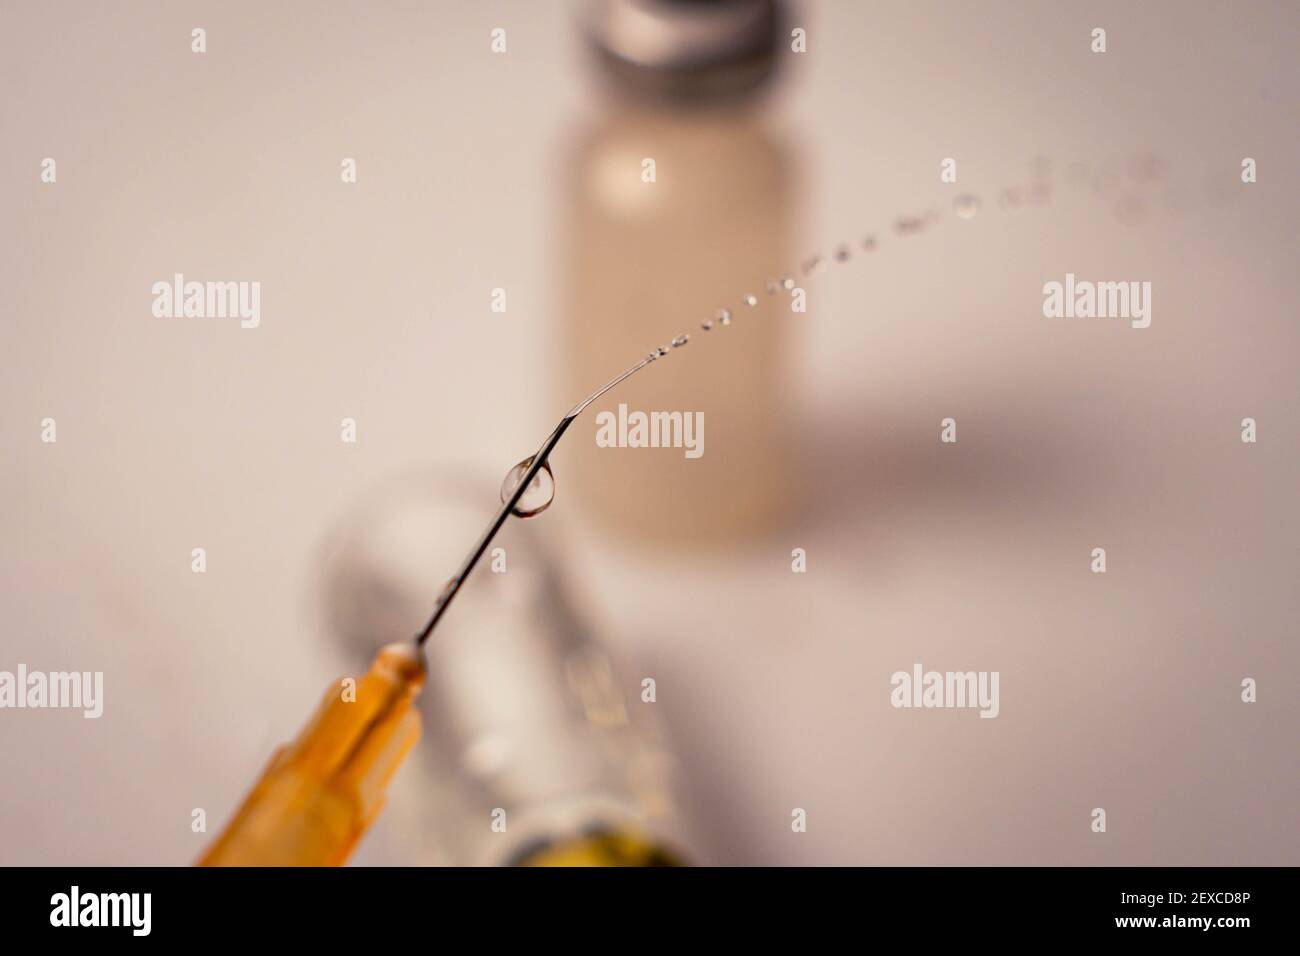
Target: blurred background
522	170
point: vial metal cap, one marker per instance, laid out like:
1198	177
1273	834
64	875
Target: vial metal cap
693	50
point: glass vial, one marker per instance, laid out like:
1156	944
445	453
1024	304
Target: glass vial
678	207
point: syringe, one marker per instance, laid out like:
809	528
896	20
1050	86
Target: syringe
319	794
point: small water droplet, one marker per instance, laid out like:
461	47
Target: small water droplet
908	225
787	282
966	206
751	300
661	351
447	588
706	324
539	494
869	244
842	252
679	341
724	316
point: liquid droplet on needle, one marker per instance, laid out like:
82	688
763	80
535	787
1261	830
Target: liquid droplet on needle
539	494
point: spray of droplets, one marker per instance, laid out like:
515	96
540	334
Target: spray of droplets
966	206
1104	183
